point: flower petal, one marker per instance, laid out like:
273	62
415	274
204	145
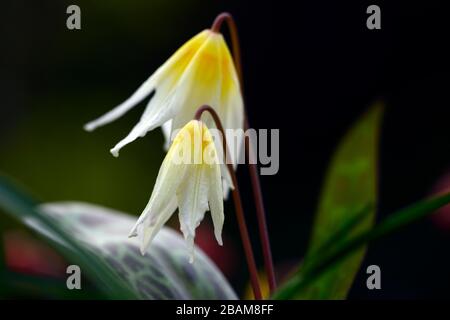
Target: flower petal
192	198
146	124
215	199
147	228
166	130
162	202
141	93
231	105
174	100
164	78
201	83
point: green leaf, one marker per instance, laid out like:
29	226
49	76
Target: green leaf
96	239
344	248
346	207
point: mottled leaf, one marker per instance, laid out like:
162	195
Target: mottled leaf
96	239
164	272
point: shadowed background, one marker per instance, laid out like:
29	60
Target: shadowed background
309	70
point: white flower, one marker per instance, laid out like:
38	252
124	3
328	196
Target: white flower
190	180
200	72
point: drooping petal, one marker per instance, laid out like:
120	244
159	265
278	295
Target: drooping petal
215	199
170	175
192	199
147	228
172	101
231	104
162	202
204	85
214	177
174	71
146	124
141	93
231	112
166	130
201	85
164	78
218	142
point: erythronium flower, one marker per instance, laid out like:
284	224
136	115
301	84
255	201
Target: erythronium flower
190	180
200	72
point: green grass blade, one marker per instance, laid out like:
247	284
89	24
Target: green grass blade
390	224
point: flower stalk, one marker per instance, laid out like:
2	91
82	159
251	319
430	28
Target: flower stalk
238	205
253	169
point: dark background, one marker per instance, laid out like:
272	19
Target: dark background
310	70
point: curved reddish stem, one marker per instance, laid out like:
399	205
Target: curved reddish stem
238	205
253	168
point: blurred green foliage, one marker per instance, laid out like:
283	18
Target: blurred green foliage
350	186
345	219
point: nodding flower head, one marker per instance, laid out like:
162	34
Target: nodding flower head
200	72
190	180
